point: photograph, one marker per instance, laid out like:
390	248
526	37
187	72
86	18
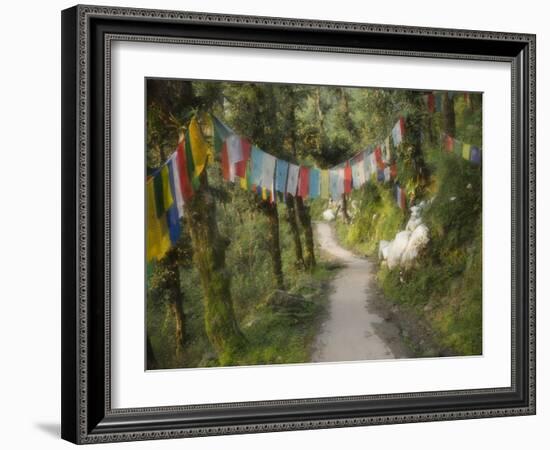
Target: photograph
301	224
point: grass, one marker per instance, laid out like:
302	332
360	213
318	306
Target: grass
444	288
273	335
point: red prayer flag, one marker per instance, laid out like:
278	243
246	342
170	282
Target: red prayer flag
303	182
347	178
449	143
185	183
240	167
393	170
378	157
402	126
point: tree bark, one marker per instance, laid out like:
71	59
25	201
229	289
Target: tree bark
293	224
209	256
345	214
270	210
305	220
177	312
449	122
151	359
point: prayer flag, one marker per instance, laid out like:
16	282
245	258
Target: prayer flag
380	175
173	221
175	183
163	196
240	166
387	174
449	143
466	151
475	155
341	180
334	179
292	179
256	159
158	240
403	199
268	170
303	182
221	132
185	183
199	147
387	150
325	183
347	178
314	182
281	174
438	102
398	131
393	170
358	171
378	158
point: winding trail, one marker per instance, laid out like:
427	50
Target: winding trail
353	330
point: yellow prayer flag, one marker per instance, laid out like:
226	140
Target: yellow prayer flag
166	191
158	238
264	193
324	183
466	148
199	147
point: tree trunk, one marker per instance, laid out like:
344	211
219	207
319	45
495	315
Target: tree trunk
177	312
345	214
305	220
151	359
270	210
449	125
209	256
293	224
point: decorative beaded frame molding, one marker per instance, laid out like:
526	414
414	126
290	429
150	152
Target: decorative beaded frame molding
87	416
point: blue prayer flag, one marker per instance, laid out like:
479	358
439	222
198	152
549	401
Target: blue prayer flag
314	182
281	173
173	220
475	155
256	162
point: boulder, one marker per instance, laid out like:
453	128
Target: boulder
383	247
418	240
328	215
396	248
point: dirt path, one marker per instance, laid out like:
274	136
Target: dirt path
353	330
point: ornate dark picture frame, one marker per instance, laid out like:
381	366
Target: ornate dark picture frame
87	34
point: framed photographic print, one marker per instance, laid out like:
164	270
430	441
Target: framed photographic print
280	224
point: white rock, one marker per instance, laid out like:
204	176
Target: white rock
418	240
413	223
397	247
383	247
328	215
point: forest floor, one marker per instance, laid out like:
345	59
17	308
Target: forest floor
354	329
